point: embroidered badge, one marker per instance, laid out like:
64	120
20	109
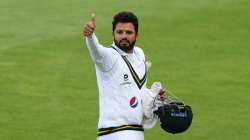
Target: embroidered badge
125	77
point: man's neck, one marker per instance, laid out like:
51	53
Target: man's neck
130	51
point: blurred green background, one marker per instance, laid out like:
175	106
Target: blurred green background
199	50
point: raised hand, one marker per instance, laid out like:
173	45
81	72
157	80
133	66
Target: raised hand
89	27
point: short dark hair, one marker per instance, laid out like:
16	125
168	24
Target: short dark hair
125	17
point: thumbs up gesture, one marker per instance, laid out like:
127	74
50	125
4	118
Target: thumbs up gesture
89	27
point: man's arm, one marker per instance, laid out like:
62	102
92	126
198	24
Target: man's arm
152	98
101	56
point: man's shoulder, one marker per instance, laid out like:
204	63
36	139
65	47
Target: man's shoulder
139	51
112	50
138	48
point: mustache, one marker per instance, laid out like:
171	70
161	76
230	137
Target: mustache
124	40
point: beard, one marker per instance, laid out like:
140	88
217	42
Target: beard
125	45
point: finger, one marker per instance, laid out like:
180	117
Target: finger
88	29
85	30
86	34
90	25
93	19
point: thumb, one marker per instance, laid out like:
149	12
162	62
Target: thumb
93	19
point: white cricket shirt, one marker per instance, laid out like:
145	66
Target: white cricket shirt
120	78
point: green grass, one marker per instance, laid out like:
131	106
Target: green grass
199	49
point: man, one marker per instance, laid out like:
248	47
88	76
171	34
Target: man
124	101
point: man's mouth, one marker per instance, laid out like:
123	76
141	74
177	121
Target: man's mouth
124	42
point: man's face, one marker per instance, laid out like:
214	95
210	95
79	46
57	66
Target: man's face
125	36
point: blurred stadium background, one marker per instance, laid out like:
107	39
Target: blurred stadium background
199	50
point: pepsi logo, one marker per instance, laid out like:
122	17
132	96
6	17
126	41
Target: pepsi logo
133	102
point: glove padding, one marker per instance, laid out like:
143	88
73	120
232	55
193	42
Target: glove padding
175	117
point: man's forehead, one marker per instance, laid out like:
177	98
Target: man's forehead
125	26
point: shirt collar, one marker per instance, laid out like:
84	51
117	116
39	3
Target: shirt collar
121	52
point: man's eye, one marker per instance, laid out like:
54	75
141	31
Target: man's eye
129	32
119	32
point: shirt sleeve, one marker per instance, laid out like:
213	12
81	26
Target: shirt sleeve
104	58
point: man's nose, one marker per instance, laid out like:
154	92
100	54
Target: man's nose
124	35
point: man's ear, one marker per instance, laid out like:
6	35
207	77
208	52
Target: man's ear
113	35
137	36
